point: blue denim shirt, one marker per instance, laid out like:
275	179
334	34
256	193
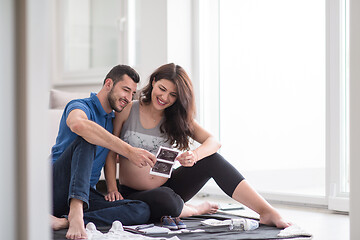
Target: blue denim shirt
95	112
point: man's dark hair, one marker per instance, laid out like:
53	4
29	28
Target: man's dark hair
117	73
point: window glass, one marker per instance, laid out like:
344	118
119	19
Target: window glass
272	93
91	34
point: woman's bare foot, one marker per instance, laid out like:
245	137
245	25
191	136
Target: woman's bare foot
273	218
76	222
203	208
247	195
58	223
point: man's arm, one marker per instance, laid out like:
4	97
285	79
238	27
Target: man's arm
93	133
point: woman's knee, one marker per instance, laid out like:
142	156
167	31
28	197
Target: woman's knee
214	160
170	202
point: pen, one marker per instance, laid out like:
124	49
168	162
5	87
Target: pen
231	209
144	226
133	230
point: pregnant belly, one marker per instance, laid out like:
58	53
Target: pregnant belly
138	178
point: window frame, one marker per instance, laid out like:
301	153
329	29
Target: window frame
336	74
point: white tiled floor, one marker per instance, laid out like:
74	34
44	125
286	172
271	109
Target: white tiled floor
321	223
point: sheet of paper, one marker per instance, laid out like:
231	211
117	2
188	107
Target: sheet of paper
154	229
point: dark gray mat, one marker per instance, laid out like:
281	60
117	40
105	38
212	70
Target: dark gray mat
223	232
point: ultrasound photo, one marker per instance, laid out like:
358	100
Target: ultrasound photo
167	154
162	167
165	162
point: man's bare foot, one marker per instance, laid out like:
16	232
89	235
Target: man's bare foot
76	228
273	218
58	223
76	221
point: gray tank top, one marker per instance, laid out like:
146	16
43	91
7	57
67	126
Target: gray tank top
134	134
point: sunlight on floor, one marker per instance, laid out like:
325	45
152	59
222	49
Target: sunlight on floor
322	223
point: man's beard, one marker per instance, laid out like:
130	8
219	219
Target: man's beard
112	101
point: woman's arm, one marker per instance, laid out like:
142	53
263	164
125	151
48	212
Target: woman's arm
110	164
209	145
110	177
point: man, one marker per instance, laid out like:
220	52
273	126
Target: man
79	154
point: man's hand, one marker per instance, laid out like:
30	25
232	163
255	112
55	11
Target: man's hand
113	196
141	157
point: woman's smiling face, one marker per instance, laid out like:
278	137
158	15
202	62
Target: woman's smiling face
164	94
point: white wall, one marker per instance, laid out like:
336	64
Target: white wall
32	96
151	32
25	71
354	119
179	33
7	121
163	35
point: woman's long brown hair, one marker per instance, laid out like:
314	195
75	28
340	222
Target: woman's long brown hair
178	123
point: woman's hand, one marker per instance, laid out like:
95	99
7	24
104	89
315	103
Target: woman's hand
188	159
113	196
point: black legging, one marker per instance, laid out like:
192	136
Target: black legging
185	182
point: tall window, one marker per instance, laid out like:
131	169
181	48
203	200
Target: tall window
272	93
279	71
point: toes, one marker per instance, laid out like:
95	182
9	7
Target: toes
76	236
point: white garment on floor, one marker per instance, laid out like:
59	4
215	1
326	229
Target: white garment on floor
294	231
116	233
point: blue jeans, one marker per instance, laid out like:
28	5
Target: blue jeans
71	179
